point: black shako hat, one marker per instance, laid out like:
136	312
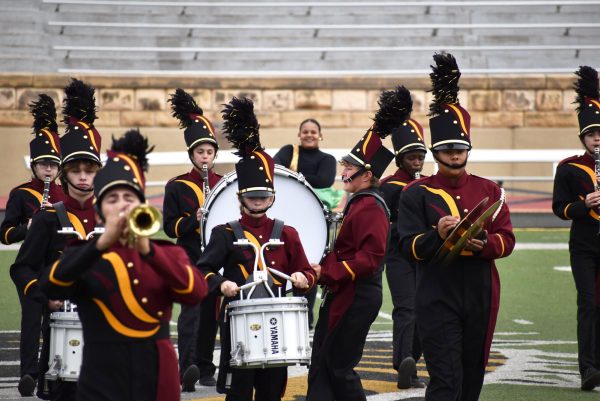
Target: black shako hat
256	169
196	127
125	165
587	100
46	143
81	140
450	124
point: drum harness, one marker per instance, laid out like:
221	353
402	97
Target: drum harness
380	201
66	226
275	237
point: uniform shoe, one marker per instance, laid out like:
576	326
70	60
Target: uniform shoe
417	382
406	370
189	379
26	386
208	381
590	379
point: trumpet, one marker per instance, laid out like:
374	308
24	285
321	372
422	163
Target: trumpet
144	221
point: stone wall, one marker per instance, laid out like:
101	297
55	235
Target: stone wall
533	111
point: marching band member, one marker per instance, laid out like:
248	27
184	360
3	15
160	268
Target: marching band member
352	272
124	287
318	168
23	201
184	196
80	147
256	194
576	197
401	272
456	303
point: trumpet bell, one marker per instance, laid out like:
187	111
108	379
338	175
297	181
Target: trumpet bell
144	221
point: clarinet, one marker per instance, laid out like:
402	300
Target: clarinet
597	173
46	193
417	175
205	186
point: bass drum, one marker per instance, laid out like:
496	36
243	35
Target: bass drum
295	203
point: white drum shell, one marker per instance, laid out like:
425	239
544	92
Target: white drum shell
295	203
269	332
66	346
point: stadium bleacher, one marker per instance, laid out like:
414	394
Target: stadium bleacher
262	37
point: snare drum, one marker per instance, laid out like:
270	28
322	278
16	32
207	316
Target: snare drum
269	332
66	346
295	203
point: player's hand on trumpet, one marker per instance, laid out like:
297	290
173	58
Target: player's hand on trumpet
115	228
445	225
229	288
299	280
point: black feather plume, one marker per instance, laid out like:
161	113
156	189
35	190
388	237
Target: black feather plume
444	81
586	86
395	107
240	125
44	114
182	105
79	102
133	144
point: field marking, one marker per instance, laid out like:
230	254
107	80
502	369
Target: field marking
535	246
516	333
385	315
534	367
562	268
522	321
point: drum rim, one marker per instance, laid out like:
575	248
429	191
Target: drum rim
267	301
226	180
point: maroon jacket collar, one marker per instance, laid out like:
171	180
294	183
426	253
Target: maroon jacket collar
445	182
250	221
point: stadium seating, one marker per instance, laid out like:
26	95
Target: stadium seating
268	37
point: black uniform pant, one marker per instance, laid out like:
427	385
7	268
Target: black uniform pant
585	270
335	354
311	296
453	340
240	384
196	333
29	344
402	280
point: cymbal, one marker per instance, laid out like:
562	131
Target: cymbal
472	231
458	231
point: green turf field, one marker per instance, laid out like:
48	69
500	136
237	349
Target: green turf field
536	329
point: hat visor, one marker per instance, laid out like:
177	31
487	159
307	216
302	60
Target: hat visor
452	146
351	160
257	194
81	157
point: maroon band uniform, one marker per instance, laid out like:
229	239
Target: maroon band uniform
184	195
352	274
255	179
456	301
574	180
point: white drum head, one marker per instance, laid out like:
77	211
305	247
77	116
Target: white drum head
295	203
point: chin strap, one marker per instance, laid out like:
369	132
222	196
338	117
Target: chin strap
450	166
353	176
91	189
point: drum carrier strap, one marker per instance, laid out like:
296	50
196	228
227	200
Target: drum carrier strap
61	212
368	192
238	231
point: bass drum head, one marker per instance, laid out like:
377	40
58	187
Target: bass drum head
295	203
